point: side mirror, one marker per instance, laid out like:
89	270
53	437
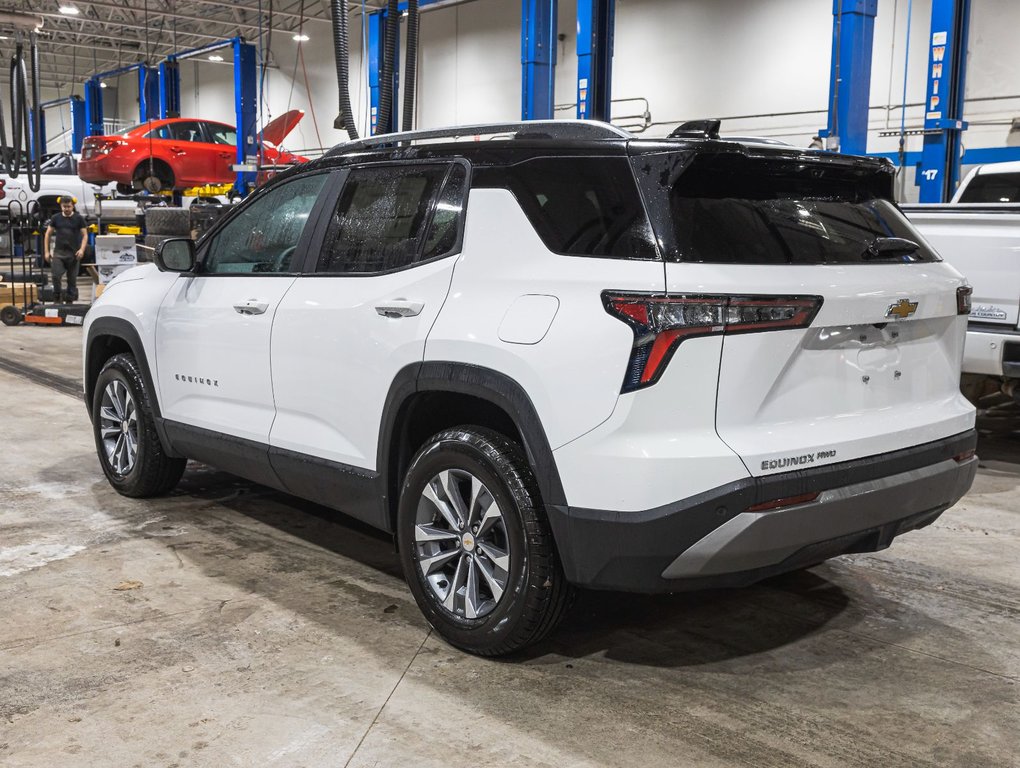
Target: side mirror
175	255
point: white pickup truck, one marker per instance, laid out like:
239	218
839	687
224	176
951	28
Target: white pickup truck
59	176
978	232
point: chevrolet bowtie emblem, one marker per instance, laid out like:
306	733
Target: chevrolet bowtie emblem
902	309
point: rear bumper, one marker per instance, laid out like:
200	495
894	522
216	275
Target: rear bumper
992	350
712	541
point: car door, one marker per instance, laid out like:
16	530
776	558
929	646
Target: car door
213	328
221	145
344	331
194	159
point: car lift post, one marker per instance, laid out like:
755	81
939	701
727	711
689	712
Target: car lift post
939	170
853	33
148	94
245	102
595	22
538	59
376	50
76	107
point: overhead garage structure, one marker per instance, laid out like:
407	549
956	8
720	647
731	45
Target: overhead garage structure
456	383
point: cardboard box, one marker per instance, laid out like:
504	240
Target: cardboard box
112	250
107	272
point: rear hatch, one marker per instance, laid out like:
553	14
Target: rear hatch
842	333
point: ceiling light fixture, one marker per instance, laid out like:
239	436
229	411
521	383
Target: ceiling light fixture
215	57
300	38
102	85
69	10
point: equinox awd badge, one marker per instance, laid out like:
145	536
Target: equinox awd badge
902	309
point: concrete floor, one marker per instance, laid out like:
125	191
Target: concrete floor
264	631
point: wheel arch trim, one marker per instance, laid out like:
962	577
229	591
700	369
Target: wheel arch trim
118	328
484	383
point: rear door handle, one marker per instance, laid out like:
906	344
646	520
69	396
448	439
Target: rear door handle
251	307
400	308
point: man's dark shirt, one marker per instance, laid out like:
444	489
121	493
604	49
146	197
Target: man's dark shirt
67	230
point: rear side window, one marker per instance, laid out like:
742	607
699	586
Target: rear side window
993	188
763	217
581	206
390	217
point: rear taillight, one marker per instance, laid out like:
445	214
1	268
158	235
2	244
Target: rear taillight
661	322
3	190
94	147
963	294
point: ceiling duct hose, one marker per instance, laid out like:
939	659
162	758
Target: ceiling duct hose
411	64
33	168
341	51
19	119
386	76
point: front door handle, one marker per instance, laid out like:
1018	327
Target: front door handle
400	308
251	307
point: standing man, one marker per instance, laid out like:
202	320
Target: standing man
69	248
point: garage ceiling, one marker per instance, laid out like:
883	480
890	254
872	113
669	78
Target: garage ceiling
105	34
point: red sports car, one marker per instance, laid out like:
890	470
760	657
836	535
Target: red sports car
177	153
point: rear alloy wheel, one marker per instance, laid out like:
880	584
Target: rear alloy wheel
477	551
127	443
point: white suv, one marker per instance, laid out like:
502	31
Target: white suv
561	357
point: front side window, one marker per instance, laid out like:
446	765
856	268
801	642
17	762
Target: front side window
390	217
221	134
263	236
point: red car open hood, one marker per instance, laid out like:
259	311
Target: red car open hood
277	130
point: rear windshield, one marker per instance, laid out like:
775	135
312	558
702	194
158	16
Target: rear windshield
993	188
726	217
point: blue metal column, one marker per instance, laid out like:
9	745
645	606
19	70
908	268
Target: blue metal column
77	109
148	93
538	58
595	22
943	124
246	113
376	48
169	88
853	31
93	107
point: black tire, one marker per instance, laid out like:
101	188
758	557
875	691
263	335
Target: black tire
125	189
534	592
153	176
10	315
168	221
152	472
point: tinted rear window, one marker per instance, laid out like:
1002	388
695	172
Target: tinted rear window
767	218
580	206
993	188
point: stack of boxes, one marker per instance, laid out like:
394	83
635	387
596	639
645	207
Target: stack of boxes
114	254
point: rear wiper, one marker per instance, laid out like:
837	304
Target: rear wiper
886	247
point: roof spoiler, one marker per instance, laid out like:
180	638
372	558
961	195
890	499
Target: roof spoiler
697	129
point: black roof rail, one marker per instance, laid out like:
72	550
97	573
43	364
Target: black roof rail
577	130
697	129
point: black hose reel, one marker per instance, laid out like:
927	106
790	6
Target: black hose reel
26	119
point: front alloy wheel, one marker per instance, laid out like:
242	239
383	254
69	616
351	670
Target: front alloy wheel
118	427
461	544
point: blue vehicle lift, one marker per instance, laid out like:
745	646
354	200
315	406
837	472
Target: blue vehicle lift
939	171
147	93
168	96
76	107
853	32
538	58
595	25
